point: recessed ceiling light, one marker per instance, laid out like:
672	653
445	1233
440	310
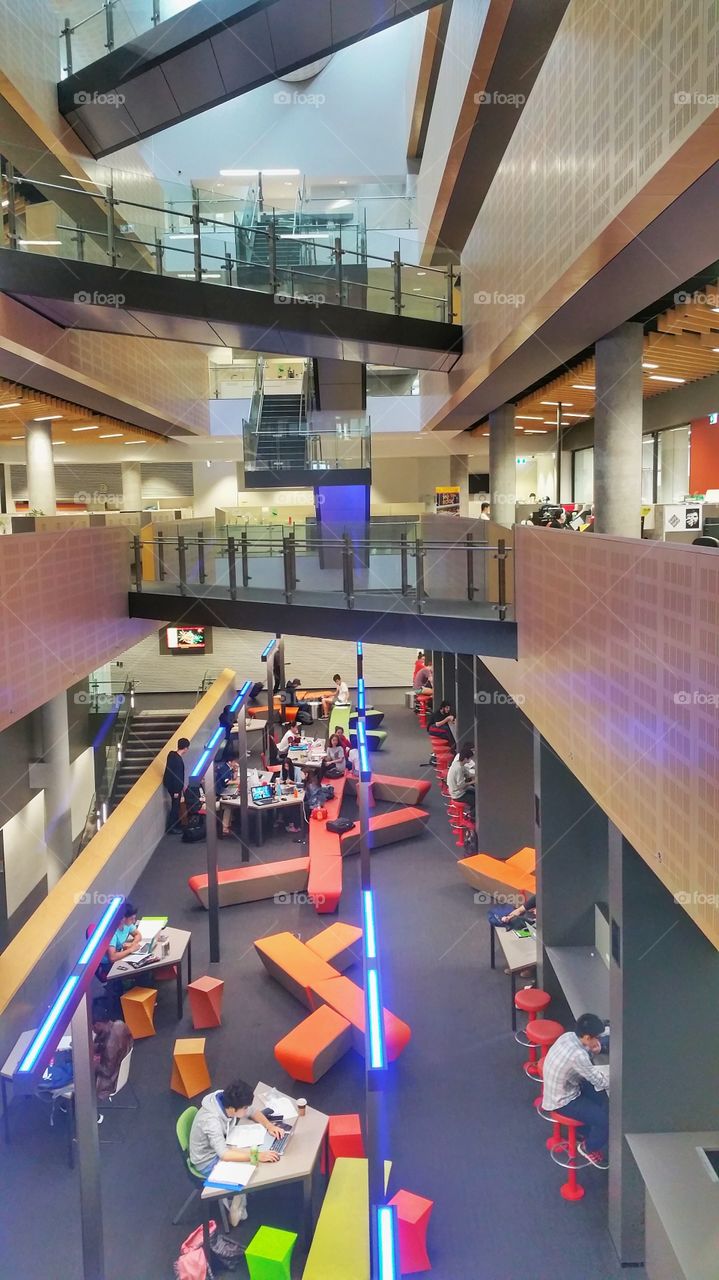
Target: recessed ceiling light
89	427
17	437
417	288
13	404
421	273
342	182
48	417
530	417
583	386
647	365
5	203
131	442
664	377
39	242
557	402
112	435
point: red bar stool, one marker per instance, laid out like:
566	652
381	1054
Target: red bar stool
563	1151
422	709
459	821
532	1001
542	1033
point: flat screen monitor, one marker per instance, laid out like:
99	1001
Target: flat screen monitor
186	639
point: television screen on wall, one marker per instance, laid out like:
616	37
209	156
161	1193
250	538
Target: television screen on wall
186	639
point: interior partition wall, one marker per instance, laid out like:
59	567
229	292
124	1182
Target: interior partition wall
505	768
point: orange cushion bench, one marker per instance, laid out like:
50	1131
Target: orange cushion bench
386	828
292	964
399	790
314	1045
335	944
346	998
493	875
251	884
324	884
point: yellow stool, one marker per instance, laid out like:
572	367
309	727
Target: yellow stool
189	1069
138	1010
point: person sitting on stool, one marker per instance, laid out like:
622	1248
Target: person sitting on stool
575	1087
441	723
460	777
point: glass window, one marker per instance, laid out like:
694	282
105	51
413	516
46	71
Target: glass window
673	481
648	469
583	475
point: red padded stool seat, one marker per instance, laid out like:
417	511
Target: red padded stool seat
564	1153
532	1001
541	1032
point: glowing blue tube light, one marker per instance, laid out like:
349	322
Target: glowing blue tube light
45	1030
364	765
387	1255
359	649
268	650
100	929
238	700
370	933
377	1051
361	695
215	739
199	769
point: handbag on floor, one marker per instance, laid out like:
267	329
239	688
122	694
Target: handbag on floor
192	1263
225	1252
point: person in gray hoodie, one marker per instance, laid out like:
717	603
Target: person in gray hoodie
212	1129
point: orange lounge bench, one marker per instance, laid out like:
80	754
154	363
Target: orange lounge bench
336	944
292	964
314	1045
394	790
324	884
494	876
346	998
385	828
251	884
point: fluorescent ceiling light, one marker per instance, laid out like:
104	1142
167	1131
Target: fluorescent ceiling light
583	386
136	442
421	273
48	417
89	427
557	402
253	173
530	417
315	235
183	235
577	415
56	442
417	288
17	437
41	242
664	377
647	365
206	275
535	431
342	182
5	204
340	204
114	435
14	404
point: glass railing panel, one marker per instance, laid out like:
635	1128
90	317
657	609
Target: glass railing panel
92	28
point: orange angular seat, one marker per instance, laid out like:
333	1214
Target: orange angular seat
190	1075
314	1045
347	998
206	1002
344	1138
138	1010
336	944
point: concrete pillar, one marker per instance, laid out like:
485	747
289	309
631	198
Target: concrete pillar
40	467
502	465
7	505
131	486
618	432
58	817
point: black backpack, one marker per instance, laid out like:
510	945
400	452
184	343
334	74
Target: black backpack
225	1253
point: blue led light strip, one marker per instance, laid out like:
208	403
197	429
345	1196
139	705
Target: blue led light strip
361	703
45	1030
370	933
388	1269
99	929
268	649
364	765
377	1052
243	691
359	649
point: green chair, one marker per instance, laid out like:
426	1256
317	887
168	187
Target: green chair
339	719
269	1254
182	1129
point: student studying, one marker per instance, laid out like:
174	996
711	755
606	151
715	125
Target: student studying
213	1128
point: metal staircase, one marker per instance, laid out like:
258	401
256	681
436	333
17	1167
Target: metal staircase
148	733
282	432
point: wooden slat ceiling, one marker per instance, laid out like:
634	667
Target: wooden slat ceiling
20	404
685	347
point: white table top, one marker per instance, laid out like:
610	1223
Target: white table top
519	953
584	978
298	1159
234	802
179	939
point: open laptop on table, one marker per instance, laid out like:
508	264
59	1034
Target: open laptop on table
262	794
149	927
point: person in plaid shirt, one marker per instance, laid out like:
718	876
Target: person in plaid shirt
575	1087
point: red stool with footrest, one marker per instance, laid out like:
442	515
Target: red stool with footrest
459	820
564	1153
533	1002
541	1034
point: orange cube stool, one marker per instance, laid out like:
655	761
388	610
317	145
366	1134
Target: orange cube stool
206	1002
138	1010
344	1138
189	1069
413	1214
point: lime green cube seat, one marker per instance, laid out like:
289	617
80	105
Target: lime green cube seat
269	1254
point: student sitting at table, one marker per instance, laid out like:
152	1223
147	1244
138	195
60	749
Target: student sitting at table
575	1087
227	721
335	762
125	940
441	723
212	1129
343	740
460	776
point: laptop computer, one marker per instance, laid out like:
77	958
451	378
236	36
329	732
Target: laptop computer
149	928
262	795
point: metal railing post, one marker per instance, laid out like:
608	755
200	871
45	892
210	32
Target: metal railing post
228	268
348	570
111	251
182	564
201	557
293	560
470	567
338	264
397	283
450	294
137	552
11	211
160	555
155	12
197	239
245	560
502	578
403	563
159	255
80	242
272	256
287	568
419	573
108	6
66	34
232	566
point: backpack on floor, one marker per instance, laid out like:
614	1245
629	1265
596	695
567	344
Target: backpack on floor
195	830
471	844
225	1252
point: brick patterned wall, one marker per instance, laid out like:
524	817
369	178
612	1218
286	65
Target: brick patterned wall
63	612
619	669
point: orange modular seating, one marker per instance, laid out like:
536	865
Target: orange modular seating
385	828
314	1045
394	790
494	875
313	981
189	1069
206	1002
252	883
413	1214
324	884
344	1139
337	944
138	1011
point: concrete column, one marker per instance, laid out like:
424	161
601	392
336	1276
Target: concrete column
7	504
502	465
40	467
618	432
58	817
131	486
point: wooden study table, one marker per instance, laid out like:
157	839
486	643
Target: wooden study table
180	945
